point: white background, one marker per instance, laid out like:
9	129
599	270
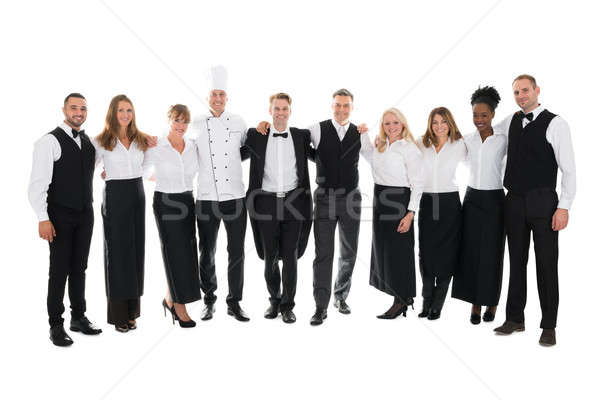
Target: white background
415	56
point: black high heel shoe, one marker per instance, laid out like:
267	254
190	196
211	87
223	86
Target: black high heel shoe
394	313
184	324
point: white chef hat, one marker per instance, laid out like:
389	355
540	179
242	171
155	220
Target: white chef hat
216	77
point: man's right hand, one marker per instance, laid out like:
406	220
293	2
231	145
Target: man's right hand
263	127
46	230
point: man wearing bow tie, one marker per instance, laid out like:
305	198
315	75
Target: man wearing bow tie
279	203
60	192
539	143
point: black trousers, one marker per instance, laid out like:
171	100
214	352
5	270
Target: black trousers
527	213
119	312
434	291
280	232
209	215
176	222
68	259
332	208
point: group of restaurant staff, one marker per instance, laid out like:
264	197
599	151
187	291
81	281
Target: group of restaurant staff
462	241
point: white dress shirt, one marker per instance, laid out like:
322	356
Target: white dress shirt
400	165
558	135
174	172
120	163
487	160
440	168
280	173
218	140
46	152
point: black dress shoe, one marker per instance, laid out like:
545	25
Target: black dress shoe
475	318
84	326
319	316
59	337
272	312
207	312
342	306
434	314
288	316
424	313
236	311
548	337
488	316
509	327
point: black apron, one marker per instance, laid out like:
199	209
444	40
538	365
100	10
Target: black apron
176	222
123	214
478	278
392	253
440	223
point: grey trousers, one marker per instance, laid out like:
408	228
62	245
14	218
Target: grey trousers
331	208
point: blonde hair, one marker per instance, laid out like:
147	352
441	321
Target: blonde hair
280	96
110	134
429	137
382	136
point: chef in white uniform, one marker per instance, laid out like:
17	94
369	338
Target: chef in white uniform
220	194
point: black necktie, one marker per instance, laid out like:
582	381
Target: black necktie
283	135
529	116
77	133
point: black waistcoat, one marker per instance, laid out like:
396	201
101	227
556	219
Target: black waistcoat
73	173
337	162
530	162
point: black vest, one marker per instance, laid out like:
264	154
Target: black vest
530	162
337	162
72	175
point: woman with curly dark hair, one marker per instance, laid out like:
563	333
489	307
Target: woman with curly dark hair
478	278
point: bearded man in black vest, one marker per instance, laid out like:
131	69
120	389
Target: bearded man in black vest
60	192
539	143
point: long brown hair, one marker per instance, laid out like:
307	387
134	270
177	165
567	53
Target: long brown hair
110	134
429	137
382	137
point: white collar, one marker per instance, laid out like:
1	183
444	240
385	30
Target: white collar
337	126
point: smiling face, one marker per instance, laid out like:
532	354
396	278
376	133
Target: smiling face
124	113
342	107
280	110
75	111
217	99
439	126
178	126
392	127
526	96
482	117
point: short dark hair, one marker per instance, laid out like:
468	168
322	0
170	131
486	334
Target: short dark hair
280	96
343	92
76	95
486	95
528	77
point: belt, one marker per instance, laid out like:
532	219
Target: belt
278	194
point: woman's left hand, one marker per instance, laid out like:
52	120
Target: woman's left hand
405	222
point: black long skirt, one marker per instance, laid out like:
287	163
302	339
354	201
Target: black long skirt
440	221
392	253
176	222
123	213
478	278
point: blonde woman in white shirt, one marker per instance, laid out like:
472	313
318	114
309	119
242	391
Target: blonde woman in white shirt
175	162
396	165
440	209
478	278
120	147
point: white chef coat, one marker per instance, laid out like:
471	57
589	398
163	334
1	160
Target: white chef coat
218	140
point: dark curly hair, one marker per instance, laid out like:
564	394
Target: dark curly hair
487	95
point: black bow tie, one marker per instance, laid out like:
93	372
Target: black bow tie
76	133
529	116
283	135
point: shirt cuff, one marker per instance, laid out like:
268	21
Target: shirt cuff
564	203
43	216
